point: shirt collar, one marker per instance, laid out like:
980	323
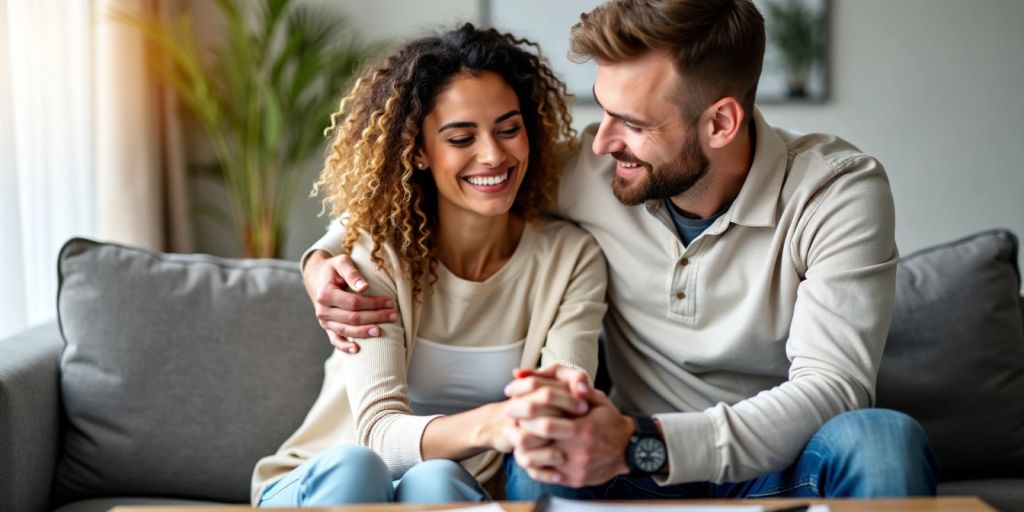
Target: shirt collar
758	201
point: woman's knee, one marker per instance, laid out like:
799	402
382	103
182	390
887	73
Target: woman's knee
438	481
346	474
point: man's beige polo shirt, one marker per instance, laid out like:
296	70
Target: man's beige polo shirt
771	322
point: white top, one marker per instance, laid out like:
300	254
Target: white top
448	379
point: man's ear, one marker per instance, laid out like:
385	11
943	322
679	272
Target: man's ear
726	116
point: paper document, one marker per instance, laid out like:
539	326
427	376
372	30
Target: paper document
490	507
564	505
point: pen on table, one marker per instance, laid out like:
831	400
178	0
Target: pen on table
802	507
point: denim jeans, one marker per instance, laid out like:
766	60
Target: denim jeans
865	453
354	474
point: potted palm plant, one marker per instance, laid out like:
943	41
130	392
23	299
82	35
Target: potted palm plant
798	32
262	100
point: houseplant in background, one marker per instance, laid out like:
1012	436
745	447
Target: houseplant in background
262	95
797	30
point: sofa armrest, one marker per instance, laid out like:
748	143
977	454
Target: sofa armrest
29	416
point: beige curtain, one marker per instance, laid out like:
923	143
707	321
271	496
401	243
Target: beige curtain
141	193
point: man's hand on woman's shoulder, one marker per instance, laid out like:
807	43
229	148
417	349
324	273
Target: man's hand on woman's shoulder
340	308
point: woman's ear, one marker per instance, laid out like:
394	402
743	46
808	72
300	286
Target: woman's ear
420	160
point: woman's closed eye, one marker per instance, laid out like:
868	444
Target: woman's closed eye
510	131
461	140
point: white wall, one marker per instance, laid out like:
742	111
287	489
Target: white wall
930	87
933	89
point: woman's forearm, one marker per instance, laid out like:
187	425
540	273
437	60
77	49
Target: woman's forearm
466	434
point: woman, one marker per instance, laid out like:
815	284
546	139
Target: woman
447	153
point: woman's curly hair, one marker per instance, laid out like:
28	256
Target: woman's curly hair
368	177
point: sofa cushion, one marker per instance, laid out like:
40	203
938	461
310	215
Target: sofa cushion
179	371
955	354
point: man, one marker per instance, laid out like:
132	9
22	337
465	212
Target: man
751	281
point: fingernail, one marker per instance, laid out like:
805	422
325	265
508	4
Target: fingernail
582	387
389	304
360	284
556	479
582	407
351	350
505	390
393	317
374	331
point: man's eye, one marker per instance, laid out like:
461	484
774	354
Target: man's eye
634	129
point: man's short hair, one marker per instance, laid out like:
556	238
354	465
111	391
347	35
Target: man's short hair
717	45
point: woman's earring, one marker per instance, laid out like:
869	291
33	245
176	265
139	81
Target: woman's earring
421	165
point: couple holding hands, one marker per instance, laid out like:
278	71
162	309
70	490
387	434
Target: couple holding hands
742	275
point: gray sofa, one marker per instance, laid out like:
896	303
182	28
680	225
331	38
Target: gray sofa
168	376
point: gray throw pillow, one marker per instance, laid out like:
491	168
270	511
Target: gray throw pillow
180	371
955	354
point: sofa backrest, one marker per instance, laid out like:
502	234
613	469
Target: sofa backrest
179	371
954	359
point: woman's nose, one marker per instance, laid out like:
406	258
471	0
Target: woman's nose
491	153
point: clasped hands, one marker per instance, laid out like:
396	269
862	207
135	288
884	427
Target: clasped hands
564	431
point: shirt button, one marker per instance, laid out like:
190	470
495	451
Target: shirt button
680	295
684	262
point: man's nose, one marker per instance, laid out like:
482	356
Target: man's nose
606	140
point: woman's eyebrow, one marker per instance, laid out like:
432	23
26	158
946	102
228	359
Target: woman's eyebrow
470	124
508	115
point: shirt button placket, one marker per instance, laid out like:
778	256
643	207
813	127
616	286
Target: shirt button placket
678	295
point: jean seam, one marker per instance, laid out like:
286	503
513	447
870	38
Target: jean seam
277	489
780	490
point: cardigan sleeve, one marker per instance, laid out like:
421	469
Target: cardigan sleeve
572	339
376	379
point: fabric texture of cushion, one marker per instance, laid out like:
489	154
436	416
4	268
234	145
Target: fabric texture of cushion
179	371
955	354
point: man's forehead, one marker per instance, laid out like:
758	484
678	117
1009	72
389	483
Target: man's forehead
645	85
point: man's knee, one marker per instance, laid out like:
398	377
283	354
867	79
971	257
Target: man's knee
873	432
879	452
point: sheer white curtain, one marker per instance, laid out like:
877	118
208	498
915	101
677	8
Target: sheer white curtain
89	145
47	173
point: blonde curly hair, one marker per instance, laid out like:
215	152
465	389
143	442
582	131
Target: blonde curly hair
368	177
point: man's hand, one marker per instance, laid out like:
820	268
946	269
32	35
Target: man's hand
342	313
552	391
583	451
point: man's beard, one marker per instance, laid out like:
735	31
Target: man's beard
667	181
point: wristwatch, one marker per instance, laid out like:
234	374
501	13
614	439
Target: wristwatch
646	453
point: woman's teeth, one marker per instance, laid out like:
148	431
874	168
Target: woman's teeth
488	180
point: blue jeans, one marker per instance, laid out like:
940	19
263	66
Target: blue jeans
865	453
354	474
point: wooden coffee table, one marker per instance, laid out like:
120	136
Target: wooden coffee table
939	504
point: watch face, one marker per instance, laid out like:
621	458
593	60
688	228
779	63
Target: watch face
649	454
